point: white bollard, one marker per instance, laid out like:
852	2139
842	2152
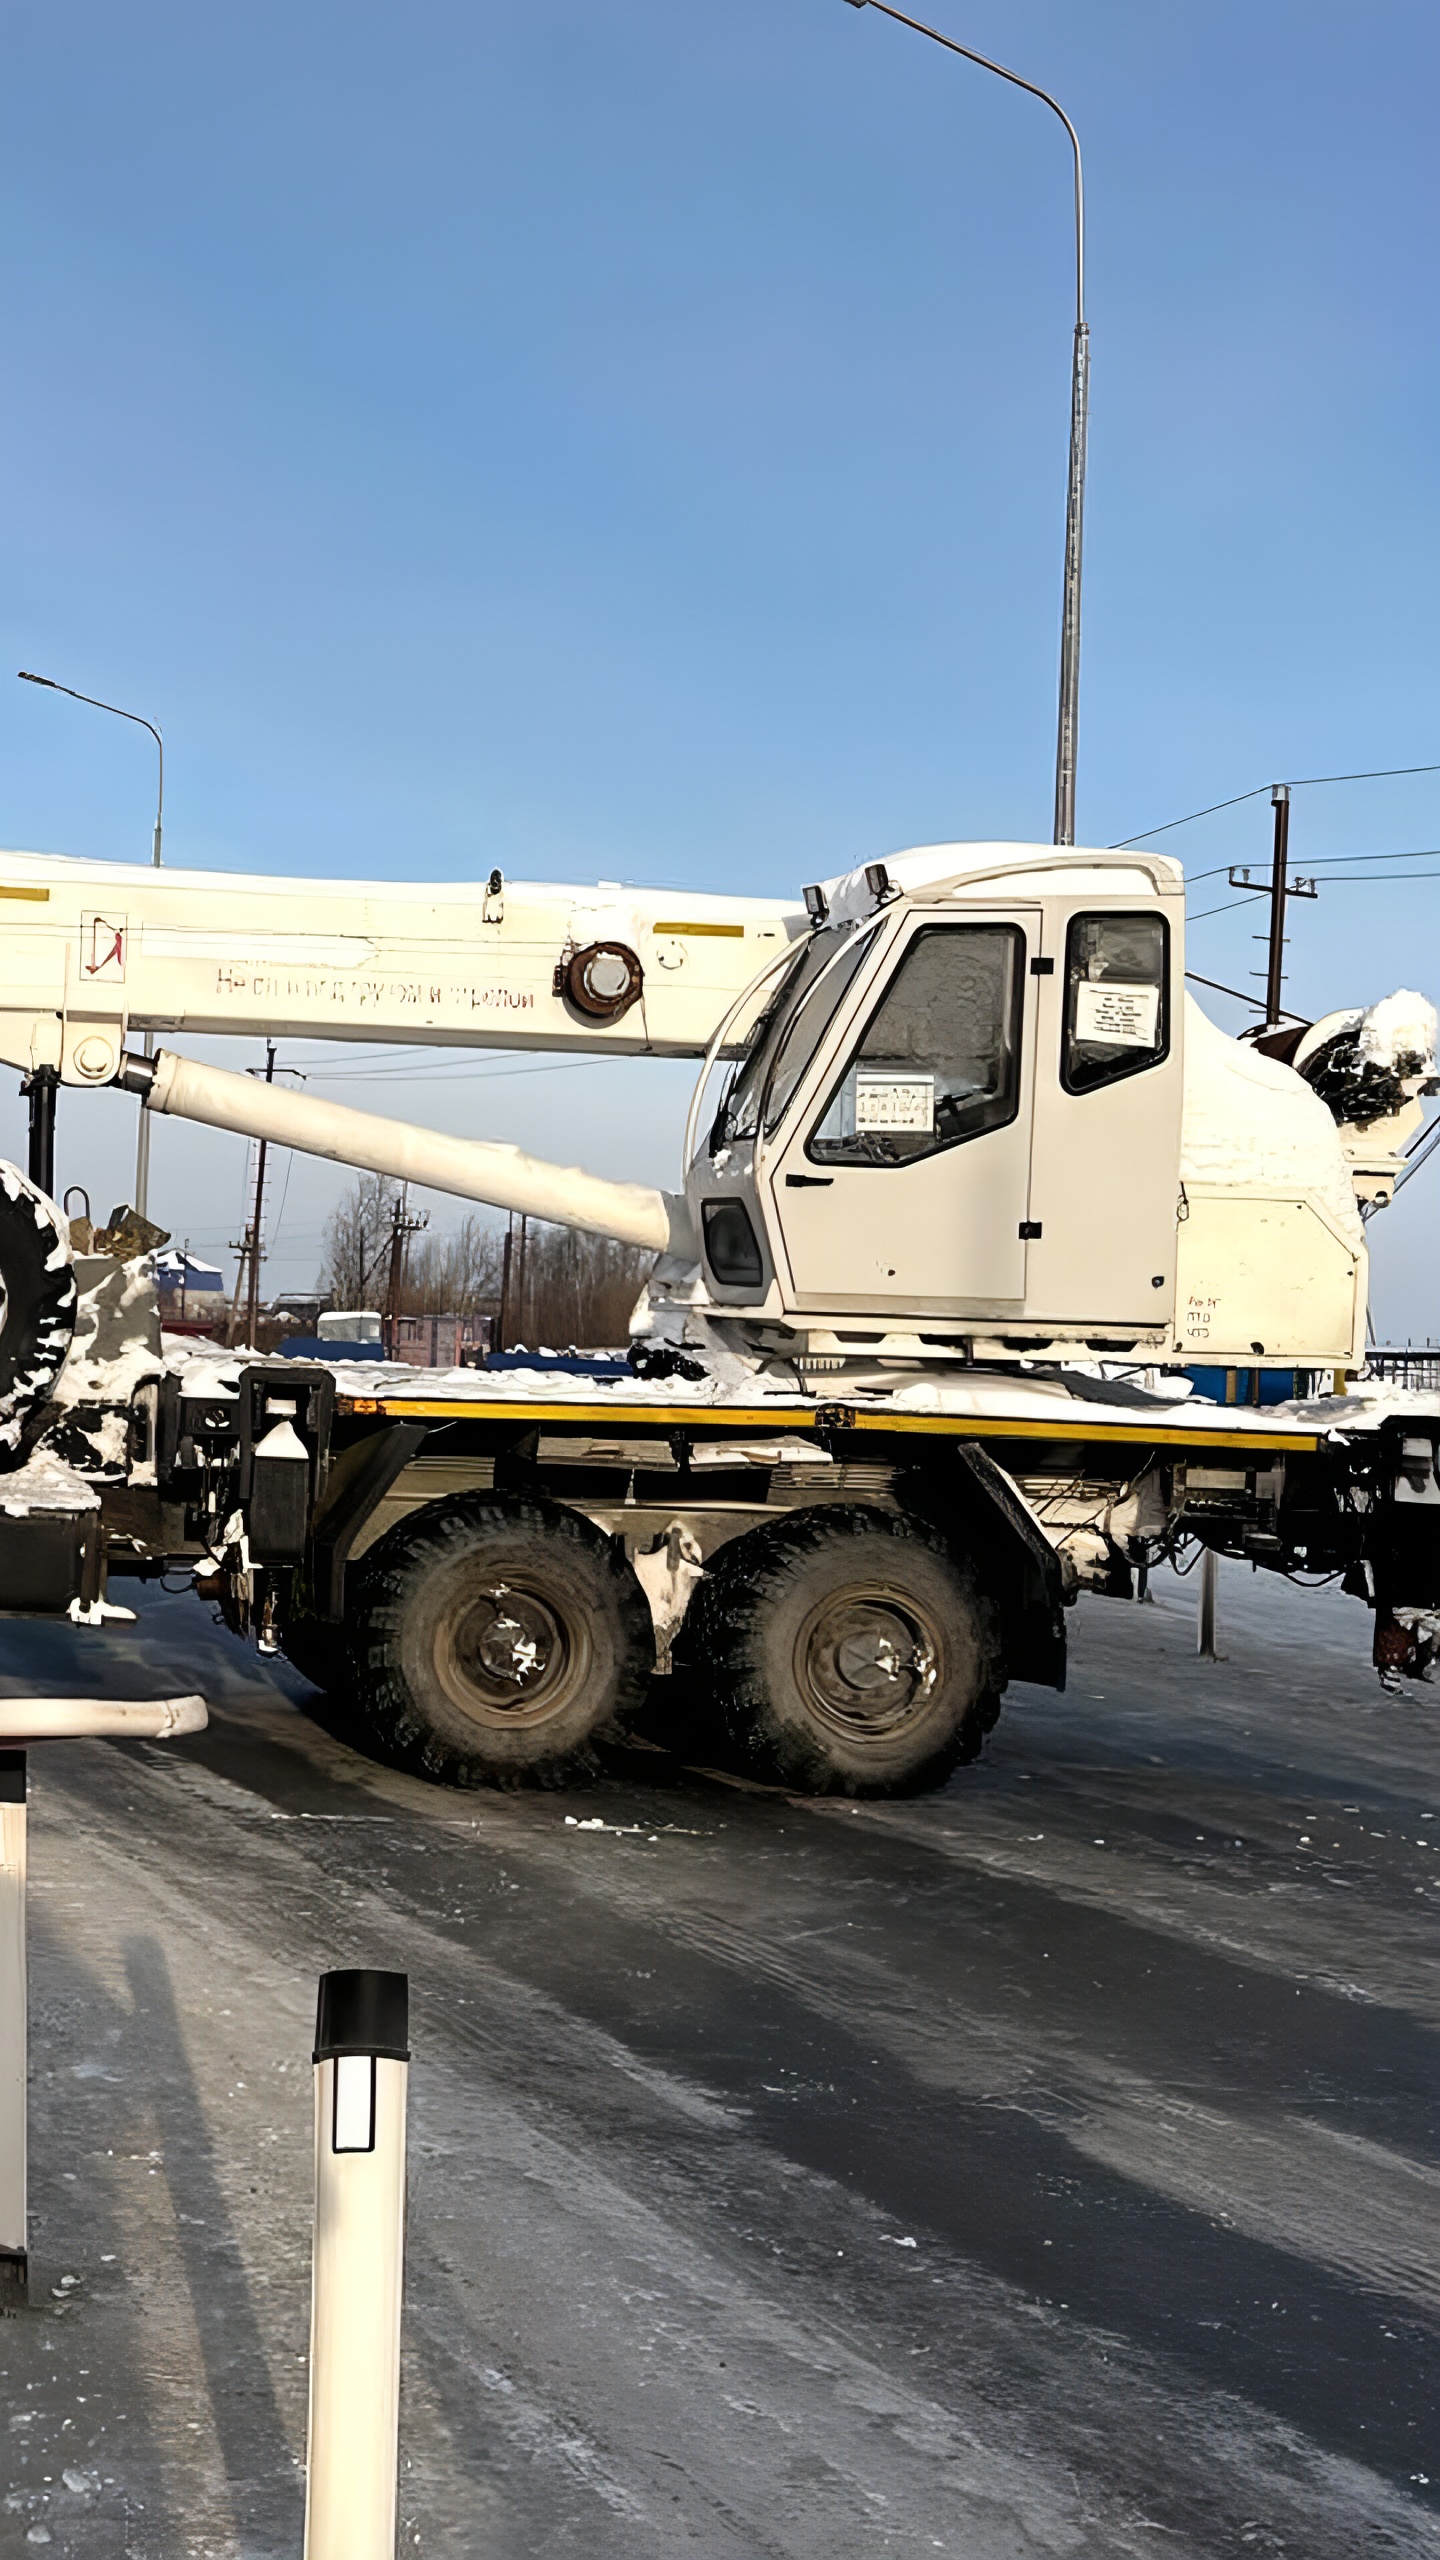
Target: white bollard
108	1719
1207	1606
37	1720
13	2031
361	2072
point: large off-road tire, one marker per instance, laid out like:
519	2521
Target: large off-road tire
37	1300
495	1638
848	1652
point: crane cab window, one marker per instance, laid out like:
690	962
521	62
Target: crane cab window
788	1032
939	1060
1117	1012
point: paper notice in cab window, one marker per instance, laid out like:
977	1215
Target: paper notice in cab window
887	1100
1117	1016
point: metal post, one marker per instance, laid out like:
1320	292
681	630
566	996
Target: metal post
361	2071
158	1720
506	1267
253	1276
1207	1614
13	2034
142	1146
142	1134
1068	737
1067	744
142	1143
1275	976
39	1087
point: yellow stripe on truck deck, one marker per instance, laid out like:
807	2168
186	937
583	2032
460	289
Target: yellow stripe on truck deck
832	1417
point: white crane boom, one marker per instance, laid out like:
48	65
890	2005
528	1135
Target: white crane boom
93	950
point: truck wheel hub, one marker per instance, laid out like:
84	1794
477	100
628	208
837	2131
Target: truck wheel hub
867	1662
508	1655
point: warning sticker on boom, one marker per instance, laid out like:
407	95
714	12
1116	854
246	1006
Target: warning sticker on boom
1117	1016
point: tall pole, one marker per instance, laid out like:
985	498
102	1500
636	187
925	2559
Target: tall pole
392	1290
142	1141
1067	742
1275	975
1068	729
506	1267
262	1150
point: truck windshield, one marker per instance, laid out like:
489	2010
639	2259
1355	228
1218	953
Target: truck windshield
787	1033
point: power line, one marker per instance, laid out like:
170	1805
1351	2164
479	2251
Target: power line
1324	861
1306	782
1229	907
1239	996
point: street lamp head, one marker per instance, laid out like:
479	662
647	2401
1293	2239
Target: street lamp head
26	678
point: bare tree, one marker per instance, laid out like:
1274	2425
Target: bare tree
567	1290
357	1242
575	1291
456	1274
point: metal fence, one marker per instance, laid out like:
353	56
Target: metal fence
1417	1365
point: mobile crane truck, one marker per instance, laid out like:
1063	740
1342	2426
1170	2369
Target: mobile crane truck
970	1188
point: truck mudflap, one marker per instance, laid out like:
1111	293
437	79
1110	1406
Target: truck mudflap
1401	1573
1016	1560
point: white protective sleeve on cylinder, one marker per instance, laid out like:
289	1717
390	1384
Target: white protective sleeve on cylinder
13	2029
473	1168
142	1719
353	2476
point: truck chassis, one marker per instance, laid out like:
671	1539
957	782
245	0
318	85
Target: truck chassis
492	1573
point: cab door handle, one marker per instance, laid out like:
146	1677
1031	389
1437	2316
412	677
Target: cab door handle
808	1181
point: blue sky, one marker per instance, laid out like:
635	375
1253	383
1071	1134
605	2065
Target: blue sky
629	441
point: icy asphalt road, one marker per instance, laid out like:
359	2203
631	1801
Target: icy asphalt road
1047	2166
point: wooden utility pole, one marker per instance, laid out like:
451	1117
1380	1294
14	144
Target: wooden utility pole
1281	888
402	1228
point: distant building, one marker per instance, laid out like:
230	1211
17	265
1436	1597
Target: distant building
441	1342
421	1342
193	1296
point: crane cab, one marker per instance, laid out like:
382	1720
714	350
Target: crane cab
958	1118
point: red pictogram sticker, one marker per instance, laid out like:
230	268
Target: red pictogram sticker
102	946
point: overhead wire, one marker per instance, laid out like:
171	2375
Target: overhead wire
1323	861
1304	782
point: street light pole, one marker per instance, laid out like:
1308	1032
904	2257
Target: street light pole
142	1143
1068	728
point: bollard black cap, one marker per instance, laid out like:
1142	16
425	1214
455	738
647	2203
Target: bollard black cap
360	2011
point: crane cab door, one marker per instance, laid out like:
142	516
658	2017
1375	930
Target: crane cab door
900	1187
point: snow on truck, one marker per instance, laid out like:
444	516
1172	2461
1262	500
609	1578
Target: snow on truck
972	1194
